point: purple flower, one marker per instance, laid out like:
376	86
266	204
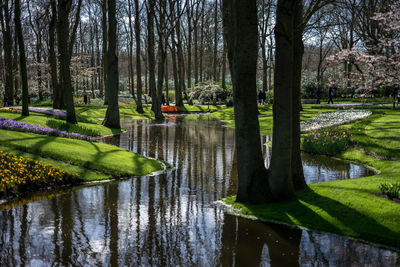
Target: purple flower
26	127
55	112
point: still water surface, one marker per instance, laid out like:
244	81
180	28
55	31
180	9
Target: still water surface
171	219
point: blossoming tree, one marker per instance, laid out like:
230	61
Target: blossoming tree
377	63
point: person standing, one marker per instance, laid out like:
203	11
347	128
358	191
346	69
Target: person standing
319	95
330	100
5	100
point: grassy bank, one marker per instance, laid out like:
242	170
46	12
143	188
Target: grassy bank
49	120
348	207
97	156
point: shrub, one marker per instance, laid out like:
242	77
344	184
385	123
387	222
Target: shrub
207	93
329	141
229	101
390	190
269	97
20	175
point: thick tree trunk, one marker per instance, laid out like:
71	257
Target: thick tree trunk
7	46
282	139
111	119
240	29
139	107
64	8
22	58
58	100
299	182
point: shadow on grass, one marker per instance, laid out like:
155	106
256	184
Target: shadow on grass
322	213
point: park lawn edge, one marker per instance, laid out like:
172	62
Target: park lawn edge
101	157
355	210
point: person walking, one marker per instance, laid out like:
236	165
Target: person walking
330	100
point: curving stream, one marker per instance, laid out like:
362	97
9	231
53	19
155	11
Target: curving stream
171	219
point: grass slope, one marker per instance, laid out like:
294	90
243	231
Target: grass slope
345	207
42	120
84	174
101	157
348	207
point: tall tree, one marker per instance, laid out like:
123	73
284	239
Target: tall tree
139	107
65	46
5	19
112	119
58	93
240	30
22	57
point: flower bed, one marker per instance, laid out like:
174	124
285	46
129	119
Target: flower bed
20	175
169	109
328	141
333	119
55	112
26	127
11	110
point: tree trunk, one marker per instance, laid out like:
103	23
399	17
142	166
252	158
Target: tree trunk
240	29
223	77
58	100
299	182
64	8
22	58
150	51
215	77
7	46
139	107
111	119
282	139
104	48
189	45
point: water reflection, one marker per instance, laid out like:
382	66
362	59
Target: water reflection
170	219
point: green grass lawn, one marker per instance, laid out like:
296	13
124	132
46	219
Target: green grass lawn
97	156
84	173
345	207
348	207
43	120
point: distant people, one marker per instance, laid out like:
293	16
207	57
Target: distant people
264	97
5	101
85	99
163	99
260	97
17	100
330	94
318	95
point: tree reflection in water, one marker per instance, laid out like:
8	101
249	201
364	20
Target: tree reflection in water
169	219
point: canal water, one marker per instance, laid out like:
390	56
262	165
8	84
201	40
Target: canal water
171	219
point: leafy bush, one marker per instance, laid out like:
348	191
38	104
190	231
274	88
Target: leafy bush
308	90
269	97
390	190
329	141
207	93
74	128
20	174
229	102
